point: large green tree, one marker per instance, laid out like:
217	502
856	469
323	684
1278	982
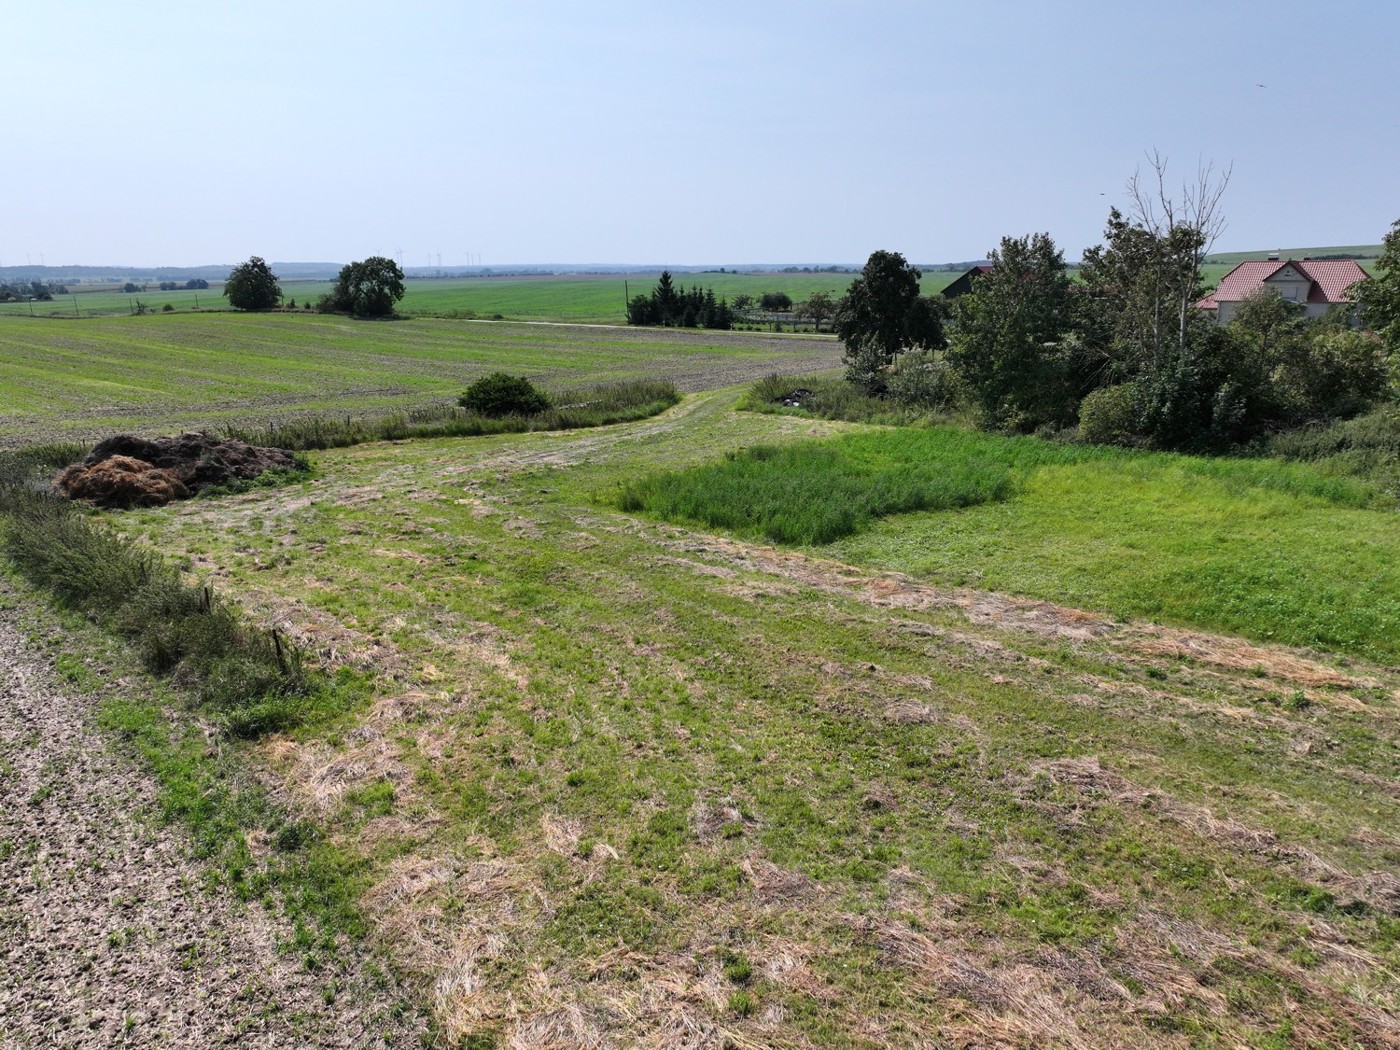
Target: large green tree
1379	298
368	288
252	286
883	315
1012	345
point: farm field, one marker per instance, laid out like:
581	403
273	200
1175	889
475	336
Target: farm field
582	300
589	299
83	379
626	780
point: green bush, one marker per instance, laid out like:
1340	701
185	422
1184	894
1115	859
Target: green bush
831	397
1108	416
500	394
923	379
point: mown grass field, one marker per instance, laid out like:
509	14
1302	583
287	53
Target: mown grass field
622	779
84	379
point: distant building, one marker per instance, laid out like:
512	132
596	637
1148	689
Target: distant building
1316	284
963	284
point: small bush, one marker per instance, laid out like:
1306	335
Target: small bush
922	379
831	397
1108	416
500	395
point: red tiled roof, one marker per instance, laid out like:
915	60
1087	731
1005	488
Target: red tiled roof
1333	277
1330	279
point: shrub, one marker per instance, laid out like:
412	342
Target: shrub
500	394
1108	416
922	379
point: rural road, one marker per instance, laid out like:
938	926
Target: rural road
108	936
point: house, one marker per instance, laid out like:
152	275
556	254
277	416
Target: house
963	284
1316	284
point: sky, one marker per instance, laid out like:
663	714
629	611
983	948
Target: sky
719	133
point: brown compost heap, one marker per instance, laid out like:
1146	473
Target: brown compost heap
129	471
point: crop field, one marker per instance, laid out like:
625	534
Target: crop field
584	299
635	780
83	379
580	300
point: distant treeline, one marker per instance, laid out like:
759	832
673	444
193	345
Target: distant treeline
671	306
21	292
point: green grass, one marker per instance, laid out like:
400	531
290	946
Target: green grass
1275	551
582	299
1232	259
665	768
818	492
90	378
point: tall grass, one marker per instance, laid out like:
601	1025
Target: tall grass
592	406
820	491
254	679
1367	446
831	397
814	493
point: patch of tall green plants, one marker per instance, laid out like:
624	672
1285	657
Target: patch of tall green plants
593	406
255	679
816	492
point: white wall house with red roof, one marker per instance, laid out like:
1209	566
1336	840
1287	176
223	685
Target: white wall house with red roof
1316	284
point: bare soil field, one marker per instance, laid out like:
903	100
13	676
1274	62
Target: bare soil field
109	932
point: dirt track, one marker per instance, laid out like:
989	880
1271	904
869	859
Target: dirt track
107	934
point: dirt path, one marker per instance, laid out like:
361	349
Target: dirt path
107	934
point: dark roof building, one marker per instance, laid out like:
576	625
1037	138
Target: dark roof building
963	284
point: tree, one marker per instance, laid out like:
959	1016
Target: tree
820	306
368	288
775	302
670	304
1143	283
252	286
743	301
1379	298
881	316
1012	344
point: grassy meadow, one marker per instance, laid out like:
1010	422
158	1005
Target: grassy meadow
624	779
64	379
1270	550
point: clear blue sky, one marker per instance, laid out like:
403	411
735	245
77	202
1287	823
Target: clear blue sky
713	132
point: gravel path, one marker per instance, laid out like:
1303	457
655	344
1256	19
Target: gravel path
107	935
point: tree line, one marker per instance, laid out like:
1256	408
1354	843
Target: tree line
1122	352
23	291
670	305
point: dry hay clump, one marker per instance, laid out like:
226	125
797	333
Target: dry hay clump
129	471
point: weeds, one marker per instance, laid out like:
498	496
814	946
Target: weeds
253	678
816	492
593	406
830	397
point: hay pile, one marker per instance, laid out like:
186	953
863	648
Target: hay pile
129	471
